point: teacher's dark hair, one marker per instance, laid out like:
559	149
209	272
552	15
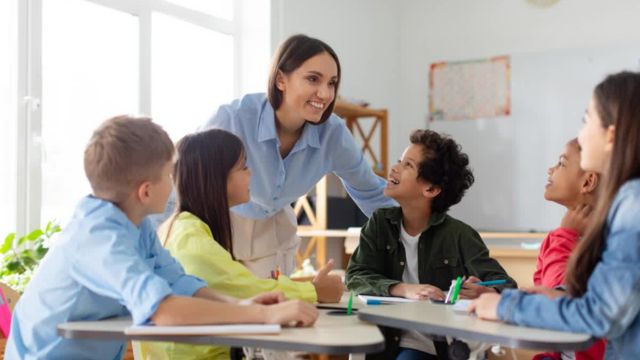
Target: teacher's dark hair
291	54
204	162
617	101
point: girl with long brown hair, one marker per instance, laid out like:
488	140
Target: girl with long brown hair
210	176
603	275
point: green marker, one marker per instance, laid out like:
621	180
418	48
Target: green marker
350	303
456	290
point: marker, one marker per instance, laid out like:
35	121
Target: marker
447	300
350	303
456	290
377	302
491	282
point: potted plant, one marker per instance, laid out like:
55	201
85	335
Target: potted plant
21	255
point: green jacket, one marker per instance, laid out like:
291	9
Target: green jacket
448	248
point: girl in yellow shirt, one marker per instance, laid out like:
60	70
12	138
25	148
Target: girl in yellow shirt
211	176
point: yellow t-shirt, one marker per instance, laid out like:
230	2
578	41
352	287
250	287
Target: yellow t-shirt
192	244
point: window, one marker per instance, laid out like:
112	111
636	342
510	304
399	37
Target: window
8	114
192	74
220	8
88	60
87	76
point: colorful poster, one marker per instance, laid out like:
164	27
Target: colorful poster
470	89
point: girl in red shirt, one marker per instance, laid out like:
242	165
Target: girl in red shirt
573	188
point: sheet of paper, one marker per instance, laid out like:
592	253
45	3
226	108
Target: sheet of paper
204	329
461	305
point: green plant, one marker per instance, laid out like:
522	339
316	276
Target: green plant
21	256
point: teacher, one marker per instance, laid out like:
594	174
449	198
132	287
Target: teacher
292	139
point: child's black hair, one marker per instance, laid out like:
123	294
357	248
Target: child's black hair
443	165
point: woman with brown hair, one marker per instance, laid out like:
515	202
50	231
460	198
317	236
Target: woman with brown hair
292	140
603	275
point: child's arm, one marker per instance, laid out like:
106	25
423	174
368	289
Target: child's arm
366	273
416	291
480	265
180	310
194	247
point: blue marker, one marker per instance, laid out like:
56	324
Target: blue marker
376	302
491	282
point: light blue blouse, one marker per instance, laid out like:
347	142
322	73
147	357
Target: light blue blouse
610	308
321	149
102	265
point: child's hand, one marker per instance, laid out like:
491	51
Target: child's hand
577	218
417	291
471	291
329	288
265	298
290	312
486	306
543	290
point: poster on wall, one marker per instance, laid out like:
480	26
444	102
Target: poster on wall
475	89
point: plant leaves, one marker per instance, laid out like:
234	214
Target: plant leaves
35	234
8	243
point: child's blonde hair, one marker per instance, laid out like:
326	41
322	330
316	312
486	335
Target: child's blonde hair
123	152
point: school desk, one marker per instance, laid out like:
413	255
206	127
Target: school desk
331	334
439	319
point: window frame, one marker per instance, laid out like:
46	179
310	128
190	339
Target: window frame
29	149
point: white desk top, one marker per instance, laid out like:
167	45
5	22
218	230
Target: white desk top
332	334
440	319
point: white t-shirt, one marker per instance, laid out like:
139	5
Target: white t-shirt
413	339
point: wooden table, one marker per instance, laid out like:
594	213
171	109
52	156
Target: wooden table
332	334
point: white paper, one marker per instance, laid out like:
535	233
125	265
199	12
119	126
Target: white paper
461	305
204	329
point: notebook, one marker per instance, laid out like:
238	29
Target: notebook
234	329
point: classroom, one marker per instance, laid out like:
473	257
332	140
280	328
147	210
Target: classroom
509	82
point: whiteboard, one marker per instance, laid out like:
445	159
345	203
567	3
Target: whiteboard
510	155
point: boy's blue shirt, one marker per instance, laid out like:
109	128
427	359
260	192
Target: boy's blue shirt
611	306
102	265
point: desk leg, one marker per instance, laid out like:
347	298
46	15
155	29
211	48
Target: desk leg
356	356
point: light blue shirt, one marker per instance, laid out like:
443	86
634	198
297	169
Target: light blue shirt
321	149
610	308
102	265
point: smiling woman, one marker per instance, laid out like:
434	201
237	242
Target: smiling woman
292	140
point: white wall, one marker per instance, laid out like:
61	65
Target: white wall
387	46
364	34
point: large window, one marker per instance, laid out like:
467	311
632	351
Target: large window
190	78
87	76
87	60
8	115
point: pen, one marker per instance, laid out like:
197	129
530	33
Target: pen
456	290
277	272
491	282
350	303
